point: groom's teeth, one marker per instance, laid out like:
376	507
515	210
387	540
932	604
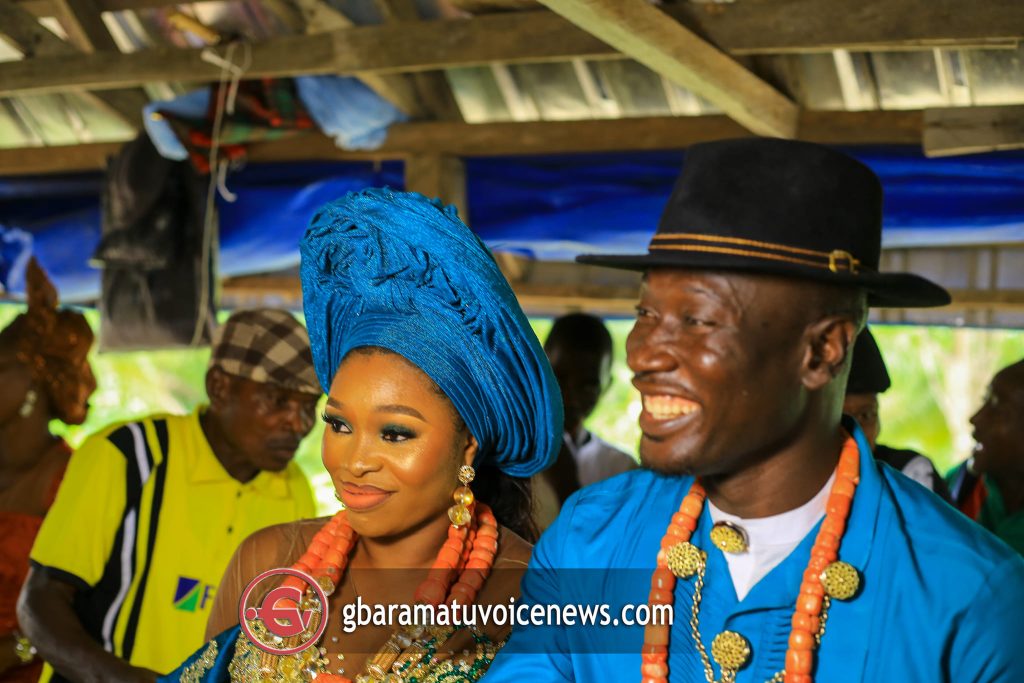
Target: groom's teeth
668	407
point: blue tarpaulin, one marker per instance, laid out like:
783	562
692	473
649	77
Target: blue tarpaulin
552	207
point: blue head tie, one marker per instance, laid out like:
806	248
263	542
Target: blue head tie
400	272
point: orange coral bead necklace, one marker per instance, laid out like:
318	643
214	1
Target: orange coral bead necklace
825	579
458	573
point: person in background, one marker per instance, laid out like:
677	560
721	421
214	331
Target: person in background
989	487
868	379
45	376
579	348
125	566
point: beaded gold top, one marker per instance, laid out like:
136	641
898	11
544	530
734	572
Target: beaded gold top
409	656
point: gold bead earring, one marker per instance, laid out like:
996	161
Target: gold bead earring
459	513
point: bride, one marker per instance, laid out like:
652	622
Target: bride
441	405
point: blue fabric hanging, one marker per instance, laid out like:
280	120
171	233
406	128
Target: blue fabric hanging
552	207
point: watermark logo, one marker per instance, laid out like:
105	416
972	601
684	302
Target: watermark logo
192	594
286	621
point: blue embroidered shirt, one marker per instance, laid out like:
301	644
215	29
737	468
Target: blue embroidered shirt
941	599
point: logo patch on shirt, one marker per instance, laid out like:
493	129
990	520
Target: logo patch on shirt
192	594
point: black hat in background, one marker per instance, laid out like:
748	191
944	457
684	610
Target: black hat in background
867	371
779	207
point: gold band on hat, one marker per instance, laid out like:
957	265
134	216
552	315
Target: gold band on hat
836	260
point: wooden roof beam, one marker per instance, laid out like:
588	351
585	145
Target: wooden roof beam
645	33
318	17
508	139
36	42
970	130
432	87
84	25
432	45
772	27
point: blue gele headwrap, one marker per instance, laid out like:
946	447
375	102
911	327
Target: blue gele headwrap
400	272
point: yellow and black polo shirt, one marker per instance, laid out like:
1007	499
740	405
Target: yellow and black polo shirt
144	524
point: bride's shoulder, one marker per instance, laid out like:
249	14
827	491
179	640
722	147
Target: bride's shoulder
280	543
513	550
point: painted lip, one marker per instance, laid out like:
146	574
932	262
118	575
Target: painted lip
658	426
362	497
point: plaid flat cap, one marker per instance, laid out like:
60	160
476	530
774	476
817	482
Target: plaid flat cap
268	346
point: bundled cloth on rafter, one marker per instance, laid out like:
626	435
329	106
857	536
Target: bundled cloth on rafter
343	108
265	109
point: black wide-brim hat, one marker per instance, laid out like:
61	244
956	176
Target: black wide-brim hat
778	207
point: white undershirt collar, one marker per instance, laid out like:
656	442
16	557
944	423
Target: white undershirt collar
770	539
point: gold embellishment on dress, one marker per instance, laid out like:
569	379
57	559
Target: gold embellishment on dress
414	662
195	671
729	538
731	651
840	580
685	559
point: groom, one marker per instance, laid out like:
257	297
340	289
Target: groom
807	560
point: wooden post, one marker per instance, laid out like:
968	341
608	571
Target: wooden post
435	175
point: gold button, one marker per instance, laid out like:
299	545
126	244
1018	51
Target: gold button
840	581
730	650
729	538
685	559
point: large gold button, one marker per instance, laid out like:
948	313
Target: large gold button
840	581
730	650
685	559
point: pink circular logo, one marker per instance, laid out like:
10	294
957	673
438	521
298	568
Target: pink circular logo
282	614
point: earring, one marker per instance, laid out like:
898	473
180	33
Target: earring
30	403
459	513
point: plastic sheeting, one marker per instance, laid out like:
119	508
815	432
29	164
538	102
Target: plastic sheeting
550	208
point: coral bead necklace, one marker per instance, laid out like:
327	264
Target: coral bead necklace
458	574
825	579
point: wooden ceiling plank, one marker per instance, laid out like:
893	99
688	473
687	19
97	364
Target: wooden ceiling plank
432	87
24	32
971	130
84	25
319	17
508	139
645	33
63	159
441	176
36	42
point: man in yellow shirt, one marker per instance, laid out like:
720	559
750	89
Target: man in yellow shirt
149	513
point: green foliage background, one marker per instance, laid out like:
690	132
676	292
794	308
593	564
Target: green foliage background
939	375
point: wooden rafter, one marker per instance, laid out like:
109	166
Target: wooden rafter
498	139
645	33
26	35
84	25
793	25
441	176
968	130
432	45
36	42
557	287
432	88
317	17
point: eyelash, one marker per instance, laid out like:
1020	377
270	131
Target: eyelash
397	434
333	423
390	433
690	320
